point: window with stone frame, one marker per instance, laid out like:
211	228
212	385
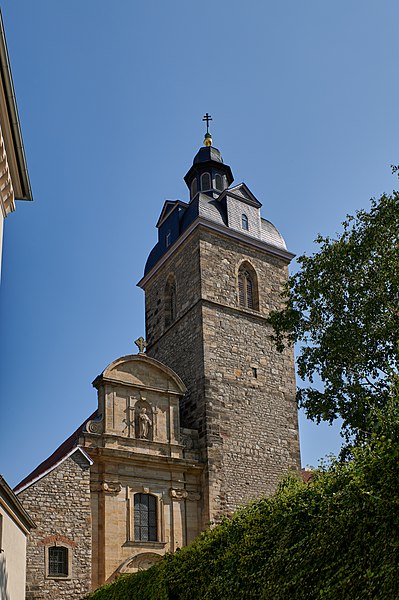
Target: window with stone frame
58	561
248	287
170	301
145	518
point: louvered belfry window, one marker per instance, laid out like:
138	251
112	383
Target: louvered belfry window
58	561
247	295
145	518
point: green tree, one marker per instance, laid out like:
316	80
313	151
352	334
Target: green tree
342	307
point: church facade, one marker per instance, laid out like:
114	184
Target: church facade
201	422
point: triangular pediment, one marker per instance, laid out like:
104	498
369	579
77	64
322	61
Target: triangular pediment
168	207
243	192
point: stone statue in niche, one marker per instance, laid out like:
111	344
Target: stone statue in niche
144	423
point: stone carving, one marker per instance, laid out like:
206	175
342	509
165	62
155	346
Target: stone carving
193	496
141	562
141	344
181	494
144	424
95	425
186	441
109	487
178	493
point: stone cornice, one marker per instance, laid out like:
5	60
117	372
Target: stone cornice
223	231
118	456
138	386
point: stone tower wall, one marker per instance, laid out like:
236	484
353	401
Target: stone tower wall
59	503
250	387
241	394
180	345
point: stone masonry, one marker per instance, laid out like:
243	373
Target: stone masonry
241	391
60	505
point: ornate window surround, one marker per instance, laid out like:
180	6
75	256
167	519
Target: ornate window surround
160	524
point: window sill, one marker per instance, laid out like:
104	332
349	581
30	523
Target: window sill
145	544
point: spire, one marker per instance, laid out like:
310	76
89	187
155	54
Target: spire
208	174
208	137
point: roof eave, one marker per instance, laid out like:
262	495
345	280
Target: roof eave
18	168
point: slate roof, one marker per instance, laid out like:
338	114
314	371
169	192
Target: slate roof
211	209
62	451
271	235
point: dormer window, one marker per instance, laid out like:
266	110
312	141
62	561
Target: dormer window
168	239
194	187
244	222
219	182
205	182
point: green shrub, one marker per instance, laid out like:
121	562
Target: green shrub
333	538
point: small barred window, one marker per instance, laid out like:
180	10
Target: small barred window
244	222
58	561
145	518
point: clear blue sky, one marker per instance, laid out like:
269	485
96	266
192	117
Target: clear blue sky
304	99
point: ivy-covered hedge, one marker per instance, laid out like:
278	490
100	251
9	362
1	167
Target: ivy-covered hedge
336	537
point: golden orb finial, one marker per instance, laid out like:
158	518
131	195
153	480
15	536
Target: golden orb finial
208	139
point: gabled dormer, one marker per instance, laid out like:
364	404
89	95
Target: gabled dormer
242	210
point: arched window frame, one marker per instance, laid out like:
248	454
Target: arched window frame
219	182
244	222
170	301
247	287
194	187
145	517
206	182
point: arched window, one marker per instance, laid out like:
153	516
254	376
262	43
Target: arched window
145	518
244	222
168	238
248	287
58	561
219	182
194	187
205	182
170	301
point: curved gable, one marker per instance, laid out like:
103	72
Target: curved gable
142	371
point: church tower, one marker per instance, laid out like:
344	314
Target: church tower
210	282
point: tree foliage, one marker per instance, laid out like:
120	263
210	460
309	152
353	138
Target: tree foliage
343	308
334	538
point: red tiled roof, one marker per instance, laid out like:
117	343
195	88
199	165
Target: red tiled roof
58	455
306	475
